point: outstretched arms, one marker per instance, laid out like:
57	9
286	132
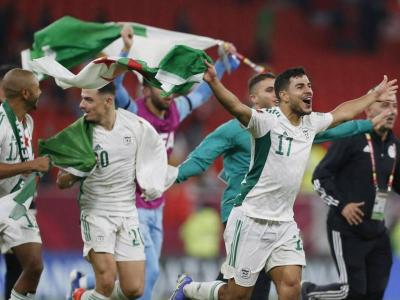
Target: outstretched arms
231	103
350	109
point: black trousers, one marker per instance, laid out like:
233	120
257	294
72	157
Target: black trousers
363	263
13	271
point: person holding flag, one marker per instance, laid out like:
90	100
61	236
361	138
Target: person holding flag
165	114
127	150
22	91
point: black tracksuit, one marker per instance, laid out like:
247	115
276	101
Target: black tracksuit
362	252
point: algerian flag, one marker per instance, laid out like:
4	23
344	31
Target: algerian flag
71	42
177	71
24	197
71	149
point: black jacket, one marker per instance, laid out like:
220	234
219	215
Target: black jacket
345	175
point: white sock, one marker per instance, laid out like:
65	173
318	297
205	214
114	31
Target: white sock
18	296
117	293
203	290
93	295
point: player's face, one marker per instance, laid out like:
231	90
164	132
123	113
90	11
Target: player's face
93	105
154	95
32	94
263	94
300	95
378	107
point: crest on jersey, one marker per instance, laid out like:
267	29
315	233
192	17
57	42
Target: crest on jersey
127	140
306	133
245	273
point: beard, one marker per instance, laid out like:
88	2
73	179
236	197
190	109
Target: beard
159	104
296	108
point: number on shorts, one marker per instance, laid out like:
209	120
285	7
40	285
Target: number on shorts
299	243
137	237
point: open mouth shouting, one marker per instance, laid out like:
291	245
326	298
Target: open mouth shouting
307	99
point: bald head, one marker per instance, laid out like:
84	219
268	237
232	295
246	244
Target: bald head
16	81
22	86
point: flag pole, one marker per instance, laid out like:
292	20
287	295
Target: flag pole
257	68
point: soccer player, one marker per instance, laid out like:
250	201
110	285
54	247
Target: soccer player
125	146
22	91
233	143
261	234
165	114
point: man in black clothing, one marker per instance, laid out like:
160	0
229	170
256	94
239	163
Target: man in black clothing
354	179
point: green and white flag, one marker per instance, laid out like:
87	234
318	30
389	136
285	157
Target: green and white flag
24	197
71	41
177	72
71	149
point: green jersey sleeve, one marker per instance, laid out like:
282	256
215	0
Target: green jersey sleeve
344	130
214	145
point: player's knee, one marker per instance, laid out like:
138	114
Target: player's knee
33	267
133	291
290	286
105	282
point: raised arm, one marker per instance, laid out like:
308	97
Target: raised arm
231	103
351	128
200	95
350	109
122	98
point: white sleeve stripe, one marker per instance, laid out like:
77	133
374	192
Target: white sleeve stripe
329	200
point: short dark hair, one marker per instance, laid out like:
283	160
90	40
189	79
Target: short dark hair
283	79
259	77
108	89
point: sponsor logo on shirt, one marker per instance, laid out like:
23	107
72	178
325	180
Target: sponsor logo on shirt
97	148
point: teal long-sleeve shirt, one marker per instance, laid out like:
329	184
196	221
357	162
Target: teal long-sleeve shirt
233	142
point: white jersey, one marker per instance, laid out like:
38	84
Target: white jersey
9	152
279	156
110	189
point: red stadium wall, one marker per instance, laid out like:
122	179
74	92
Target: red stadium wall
336	76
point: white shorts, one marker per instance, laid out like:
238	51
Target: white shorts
18	232
119	236
254	244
